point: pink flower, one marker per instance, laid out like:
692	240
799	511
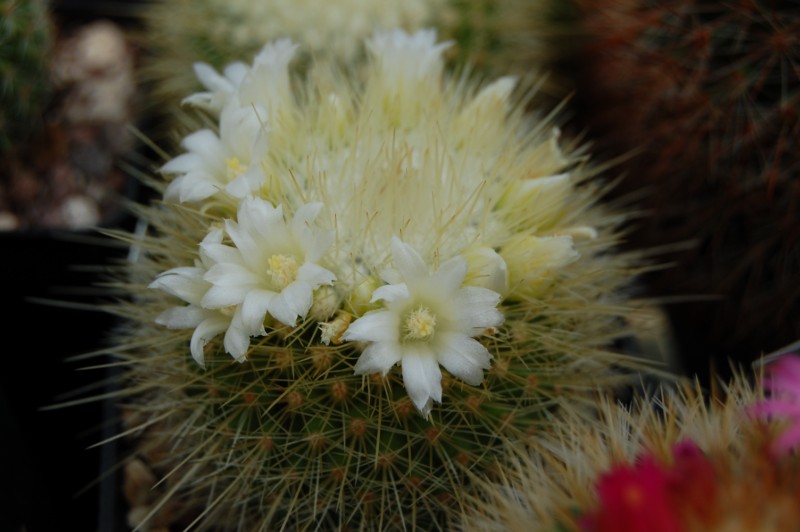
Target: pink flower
654	497
782	380
633	499
692	481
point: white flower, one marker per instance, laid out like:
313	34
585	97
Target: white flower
406	59
486	268
406	67
187	284
428	319
215	163
220	88
273	266
534	262
267	84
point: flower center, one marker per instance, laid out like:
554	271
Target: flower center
633	496
282	269
235	168
420	324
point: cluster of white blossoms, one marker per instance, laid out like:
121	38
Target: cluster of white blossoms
397	212
336	28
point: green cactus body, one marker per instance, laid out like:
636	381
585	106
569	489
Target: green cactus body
25	44
381	176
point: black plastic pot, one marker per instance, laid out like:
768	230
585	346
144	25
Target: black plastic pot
46	468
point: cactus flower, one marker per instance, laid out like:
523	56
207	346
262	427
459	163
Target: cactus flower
272	267
429	319
783	380
214	163
187	284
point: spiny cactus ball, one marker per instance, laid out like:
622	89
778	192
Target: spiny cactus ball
357	285
25	45
679	460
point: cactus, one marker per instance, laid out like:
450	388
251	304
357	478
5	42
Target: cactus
25	45
329	228
179	33
677	461
709	92
496	37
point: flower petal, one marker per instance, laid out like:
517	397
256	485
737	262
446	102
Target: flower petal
378	357
449	277
248	182
304	218
223	296
375	326
784	375
181	164
193	187
237	341
203	100
250	252
390	293
407	261
421	377
206	144
313	242
293	301
203	334
236	72
487	269
464	357
256	214
776	407
476	309
229	274
184	282
254	310
189	188
315	275
260	233
217	252
210	78
187	317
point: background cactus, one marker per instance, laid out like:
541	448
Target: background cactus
288	435
495	37
680	460
25	47
709	92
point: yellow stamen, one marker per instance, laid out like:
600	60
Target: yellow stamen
283	270
235	168
420	324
